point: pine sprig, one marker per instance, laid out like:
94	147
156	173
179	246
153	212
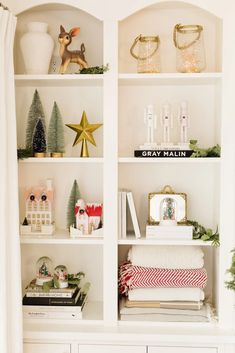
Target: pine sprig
95	70
204	152
74	196
205	234
23	153
231	271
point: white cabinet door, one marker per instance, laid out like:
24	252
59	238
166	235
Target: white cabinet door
181	350
46	348
88	348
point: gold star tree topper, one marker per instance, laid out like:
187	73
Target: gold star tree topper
84	132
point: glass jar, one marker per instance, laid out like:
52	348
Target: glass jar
148	58
190	53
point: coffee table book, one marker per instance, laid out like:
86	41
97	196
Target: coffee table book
70	312
33	290
56	301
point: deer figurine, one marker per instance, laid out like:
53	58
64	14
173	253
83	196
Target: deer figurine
70	56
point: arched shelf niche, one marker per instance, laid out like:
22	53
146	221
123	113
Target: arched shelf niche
160	19
91	33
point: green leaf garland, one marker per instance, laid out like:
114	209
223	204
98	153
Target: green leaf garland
205	234
204	152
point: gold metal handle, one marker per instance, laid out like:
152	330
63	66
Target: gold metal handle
143	57
167	190
186	29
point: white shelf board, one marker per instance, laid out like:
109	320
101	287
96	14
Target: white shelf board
62	160
169	78
168	160
60	237
58	80
126	331
131	240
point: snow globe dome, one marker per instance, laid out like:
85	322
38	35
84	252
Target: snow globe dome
168	212
61	276
44	270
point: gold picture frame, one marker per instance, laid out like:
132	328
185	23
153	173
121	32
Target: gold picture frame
155	200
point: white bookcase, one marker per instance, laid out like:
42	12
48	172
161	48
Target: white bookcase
117	100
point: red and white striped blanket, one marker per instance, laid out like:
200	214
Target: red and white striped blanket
131	277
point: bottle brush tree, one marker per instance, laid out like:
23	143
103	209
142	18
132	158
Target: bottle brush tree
39	139
35	111
74	196
231	284
55	137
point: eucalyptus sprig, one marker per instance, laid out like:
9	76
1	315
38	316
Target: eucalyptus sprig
204	152
95	70
231	270
75	278
205	234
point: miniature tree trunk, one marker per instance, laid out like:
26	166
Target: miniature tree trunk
39	139
74	196
35	111
55	139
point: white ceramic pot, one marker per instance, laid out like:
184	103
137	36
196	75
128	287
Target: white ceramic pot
37	47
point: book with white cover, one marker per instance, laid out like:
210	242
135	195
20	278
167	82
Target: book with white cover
133	214
123	213
179	232
32	313
56	312
119	214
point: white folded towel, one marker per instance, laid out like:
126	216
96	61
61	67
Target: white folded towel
166	294
166	256
168	315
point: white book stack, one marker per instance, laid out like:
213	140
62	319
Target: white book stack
66	312
124	198
178	232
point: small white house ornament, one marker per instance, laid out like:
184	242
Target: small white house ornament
88	219
39	217
37	47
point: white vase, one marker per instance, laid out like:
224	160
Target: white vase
37	47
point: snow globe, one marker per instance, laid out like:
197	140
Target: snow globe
168	212
61	276
44	268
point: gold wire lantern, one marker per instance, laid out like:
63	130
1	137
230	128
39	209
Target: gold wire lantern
148	57
190	53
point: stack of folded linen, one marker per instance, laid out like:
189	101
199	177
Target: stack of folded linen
163	283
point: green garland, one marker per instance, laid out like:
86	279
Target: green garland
205	234
95	70
72	279
231	270
204	152
23	153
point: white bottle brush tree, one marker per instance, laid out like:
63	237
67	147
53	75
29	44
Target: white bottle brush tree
39	138
35	112
55	137
74	196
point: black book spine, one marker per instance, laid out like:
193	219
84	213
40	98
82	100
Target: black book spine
163	153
